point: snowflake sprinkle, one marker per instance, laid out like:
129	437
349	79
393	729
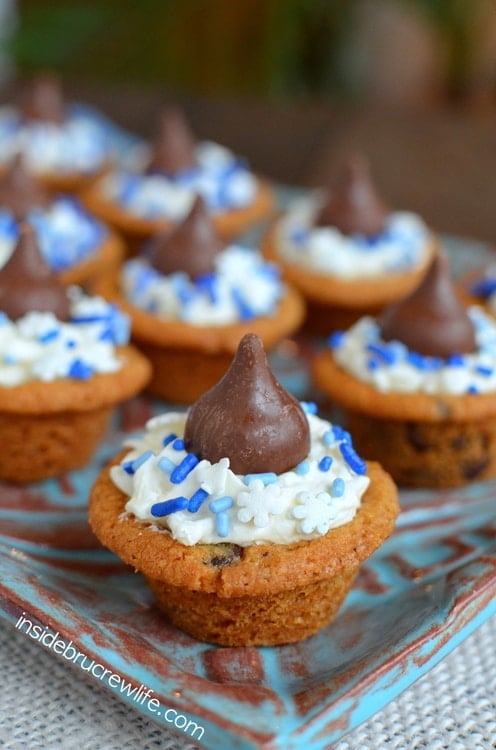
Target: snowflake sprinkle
258	502
315	511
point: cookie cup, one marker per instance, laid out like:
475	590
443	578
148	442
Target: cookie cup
186	359
265	594
422	440
136	230
70	183
51	427
333	303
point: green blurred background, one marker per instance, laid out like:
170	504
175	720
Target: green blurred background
406	51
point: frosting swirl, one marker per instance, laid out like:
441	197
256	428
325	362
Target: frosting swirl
66	233
197	501
223	181
390	366
81	143
38	346
242	286
401	246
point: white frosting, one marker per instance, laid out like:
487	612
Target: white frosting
302	503
325	250
242	286
66	233
80	144
391	367
40	347
222	181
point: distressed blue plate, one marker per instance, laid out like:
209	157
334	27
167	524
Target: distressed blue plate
425	590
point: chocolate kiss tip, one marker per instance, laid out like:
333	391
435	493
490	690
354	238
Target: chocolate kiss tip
28	284
19	190
353	205
43	100
431	320
190	247
173	147
249	418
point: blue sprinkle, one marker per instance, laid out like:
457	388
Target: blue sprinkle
456	360
299	235
166	465
143	279
325	463
484	370
309	407
340	434
484	287
472	389
151	306
168	439
422	362
131	467
184	468
178	444
244	310
372	365
48	336
94	318
106	335
221	504
207	283
417	360
328	438
166	507
196	500
303	468
222	524
141	459
267	477
336	339
354	461
337	487
70	344
383	352
184	294
80	370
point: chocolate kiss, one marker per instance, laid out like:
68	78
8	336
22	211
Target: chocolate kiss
19	191
43	100
354	206
190	247
173	148
28	284
431	320
249	418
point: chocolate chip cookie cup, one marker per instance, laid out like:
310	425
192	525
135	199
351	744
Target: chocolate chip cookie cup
77	247
348	253
192	297
65	363
260	542
63	145
158	194
418	386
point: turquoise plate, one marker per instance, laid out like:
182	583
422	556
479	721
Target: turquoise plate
422	593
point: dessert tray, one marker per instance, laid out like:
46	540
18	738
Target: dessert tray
421	594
